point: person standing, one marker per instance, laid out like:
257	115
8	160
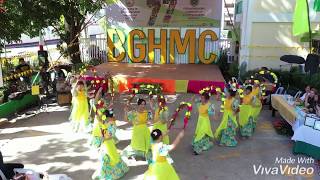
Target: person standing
245	114
227	130
160	168
202	140
257	104
111	164
80	107
140	140
161	117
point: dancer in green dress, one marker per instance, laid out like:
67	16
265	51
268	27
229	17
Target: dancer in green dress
227	130
202	140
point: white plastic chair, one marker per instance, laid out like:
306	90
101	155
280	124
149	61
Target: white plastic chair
2	176
279	90
298	94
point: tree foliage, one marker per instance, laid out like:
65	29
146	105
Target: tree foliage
67	17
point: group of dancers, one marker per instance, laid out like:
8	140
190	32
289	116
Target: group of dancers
240	107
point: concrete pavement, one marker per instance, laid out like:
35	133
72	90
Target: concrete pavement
44	142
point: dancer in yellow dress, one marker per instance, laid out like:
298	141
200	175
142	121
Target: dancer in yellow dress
111	164
202	140
245	114
80	108
99	102
160	168
227	130
161	117
257	105
140	140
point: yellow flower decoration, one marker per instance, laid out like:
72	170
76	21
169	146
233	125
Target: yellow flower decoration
99	112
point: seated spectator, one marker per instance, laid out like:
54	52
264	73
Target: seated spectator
311	101
318	109
22	67
7	168
307	91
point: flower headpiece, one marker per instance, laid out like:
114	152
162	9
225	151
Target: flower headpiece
208	90
155	133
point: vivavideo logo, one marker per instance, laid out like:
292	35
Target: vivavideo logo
301	166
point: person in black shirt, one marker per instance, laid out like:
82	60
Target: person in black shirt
7	168
22	67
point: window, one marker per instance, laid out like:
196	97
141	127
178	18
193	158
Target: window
238	8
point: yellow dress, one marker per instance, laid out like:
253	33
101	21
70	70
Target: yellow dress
80	109
203	134
141	139
226	132
258	106
111	164
245	116
161	169
160	119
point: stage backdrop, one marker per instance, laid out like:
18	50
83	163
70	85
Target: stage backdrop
139	30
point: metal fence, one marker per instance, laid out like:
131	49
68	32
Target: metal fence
96	48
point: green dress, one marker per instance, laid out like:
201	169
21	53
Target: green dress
203	134
227	130
111	164
141	140
160	122
160	168
246	117
80	111
257	105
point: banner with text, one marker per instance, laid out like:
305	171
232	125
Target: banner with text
164	13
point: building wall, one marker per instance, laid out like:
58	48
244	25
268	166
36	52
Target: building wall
266	35
272	40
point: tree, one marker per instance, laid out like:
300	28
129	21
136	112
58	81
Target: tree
13	23
67	17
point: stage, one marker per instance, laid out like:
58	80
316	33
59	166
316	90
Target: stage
175	78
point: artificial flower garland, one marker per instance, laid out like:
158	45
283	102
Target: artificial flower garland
274	76
148	88
186	116
209	90
18	75
97	81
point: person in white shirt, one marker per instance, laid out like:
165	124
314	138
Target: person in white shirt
307	91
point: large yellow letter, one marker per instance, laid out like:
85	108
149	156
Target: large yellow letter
189	38
115	46
141	47
201	50
162	46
